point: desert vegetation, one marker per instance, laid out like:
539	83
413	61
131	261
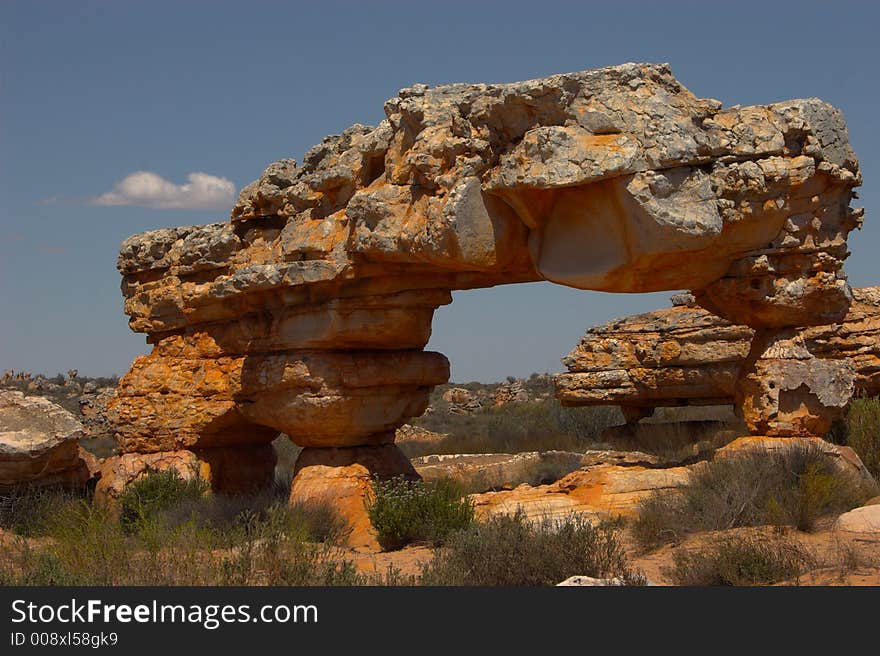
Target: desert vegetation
404	512
753	559
861	432
168	532
794	486
514	428
510	550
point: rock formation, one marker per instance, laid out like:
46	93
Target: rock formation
684	355
307	313
39	444
615	488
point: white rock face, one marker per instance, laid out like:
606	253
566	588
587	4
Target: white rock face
39	442
861	520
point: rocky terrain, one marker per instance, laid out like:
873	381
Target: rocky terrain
307	312
305	315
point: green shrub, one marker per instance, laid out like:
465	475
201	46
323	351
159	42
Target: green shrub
792	486
741	560
510	550
155	492
404	511
863	432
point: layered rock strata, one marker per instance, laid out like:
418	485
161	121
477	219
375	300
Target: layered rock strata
685	355
308	311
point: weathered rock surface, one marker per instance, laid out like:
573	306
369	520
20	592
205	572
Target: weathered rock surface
39	444
686	355
861	520
341	478
418	435
229	470
307	313
486	471
604	490
597	492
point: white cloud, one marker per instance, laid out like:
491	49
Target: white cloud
148	189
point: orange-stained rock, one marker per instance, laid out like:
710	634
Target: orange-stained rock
601	491
785	390
685	355
226	470
341	478
308	311
842	456
606	491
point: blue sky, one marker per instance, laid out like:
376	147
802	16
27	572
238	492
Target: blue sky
91	92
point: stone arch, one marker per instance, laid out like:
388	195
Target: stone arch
309	311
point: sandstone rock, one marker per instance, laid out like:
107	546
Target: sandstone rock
229	470
843	456
589	582
785	390
418	435
307	313
686	355
861	520
485	471
461	401
39	444
341	479
598	492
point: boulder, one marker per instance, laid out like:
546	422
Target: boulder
597	492
861	520
39	444
228	470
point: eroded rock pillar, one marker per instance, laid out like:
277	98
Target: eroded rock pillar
785	391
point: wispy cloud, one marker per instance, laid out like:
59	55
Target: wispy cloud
148	189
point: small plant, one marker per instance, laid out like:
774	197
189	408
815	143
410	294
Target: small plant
741	560
404	511
155	492
511	550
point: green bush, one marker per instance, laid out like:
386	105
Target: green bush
741	560
155	492
792	486
404	511
510	550
863	432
